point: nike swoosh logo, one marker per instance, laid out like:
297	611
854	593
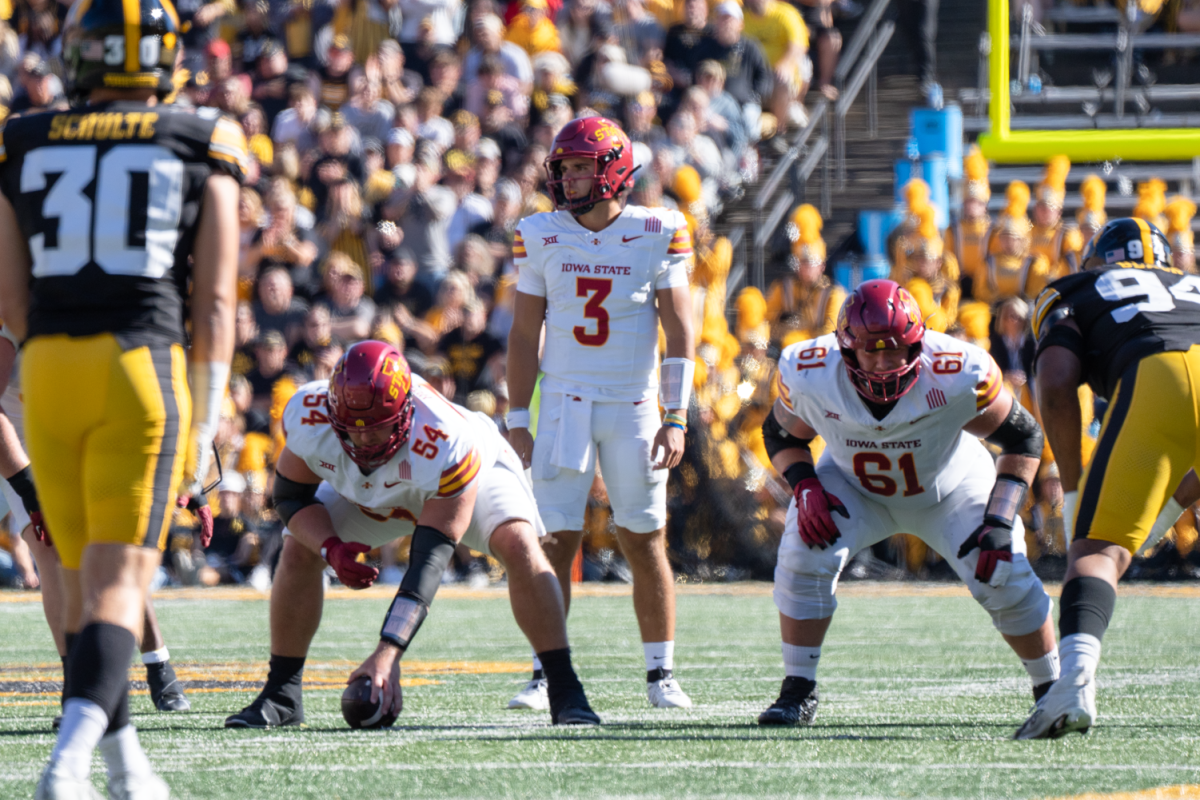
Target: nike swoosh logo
804	495
918	419
625	239
387	485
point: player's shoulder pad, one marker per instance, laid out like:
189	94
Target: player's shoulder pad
535	231
962	367
308	398
457	460
812	359
665	223
1055	301
228	150
21	132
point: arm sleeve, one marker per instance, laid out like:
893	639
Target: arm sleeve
530	280
679	258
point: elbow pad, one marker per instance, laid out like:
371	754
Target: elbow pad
288	496
428	556
776	439
1019	434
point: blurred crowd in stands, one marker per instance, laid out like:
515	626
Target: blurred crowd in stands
395	145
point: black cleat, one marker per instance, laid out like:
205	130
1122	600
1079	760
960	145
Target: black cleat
572	710
166	691
282	707
1040	690
797	704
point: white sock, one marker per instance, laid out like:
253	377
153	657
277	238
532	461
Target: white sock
801	662
1044	669
83	725
123	753
537	663
659	655
1079	651
158	656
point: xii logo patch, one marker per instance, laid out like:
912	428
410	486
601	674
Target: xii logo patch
831	415
549	240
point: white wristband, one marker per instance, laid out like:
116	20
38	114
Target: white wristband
517	418
1070	506
675	378
208	380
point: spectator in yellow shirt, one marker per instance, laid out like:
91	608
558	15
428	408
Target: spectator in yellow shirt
781	31
532	30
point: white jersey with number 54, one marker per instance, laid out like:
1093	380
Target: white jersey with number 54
601	317
918	453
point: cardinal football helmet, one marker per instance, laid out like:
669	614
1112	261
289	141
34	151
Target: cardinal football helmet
601	140
881	315
371	388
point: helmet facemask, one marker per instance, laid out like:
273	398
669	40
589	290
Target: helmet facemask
884	387
373	457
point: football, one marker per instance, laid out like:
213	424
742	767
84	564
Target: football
359	711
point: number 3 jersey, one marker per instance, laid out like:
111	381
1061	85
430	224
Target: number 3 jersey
1125	311
601	317
109	198
448	448
918	453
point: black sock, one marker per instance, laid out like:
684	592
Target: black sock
98	669
69	640
561	680
285	670
1087	606
120	717
161	669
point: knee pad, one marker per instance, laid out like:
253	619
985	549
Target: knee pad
1019	606
806	579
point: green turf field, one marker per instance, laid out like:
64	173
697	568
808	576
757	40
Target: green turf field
919	699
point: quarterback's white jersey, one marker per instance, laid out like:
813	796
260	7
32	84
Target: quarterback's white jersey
918	453
601	317
448	448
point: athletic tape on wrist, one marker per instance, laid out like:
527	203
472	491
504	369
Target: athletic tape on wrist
208	381
1005	502
517	418
675	378
403	620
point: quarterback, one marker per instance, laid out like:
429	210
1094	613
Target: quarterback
119	218
600	276
1128	325
374	454
901	410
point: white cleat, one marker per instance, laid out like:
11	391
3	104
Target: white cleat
57	784
665	692
533	696
1069	706
138	787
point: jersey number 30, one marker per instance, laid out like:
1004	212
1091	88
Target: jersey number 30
132	227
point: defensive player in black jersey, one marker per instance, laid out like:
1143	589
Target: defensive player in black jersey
101	207
1129	325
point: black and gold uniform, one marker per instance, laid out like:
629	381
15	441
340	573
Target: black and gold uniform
108	197
1140	348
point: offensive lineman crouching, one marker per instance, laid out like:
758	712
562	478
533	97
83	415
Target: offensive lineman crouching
900	409
372	454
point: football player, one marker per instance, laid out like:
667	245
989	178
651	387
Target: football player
374	454
601	276
1128	325
165	690
901	410
102	207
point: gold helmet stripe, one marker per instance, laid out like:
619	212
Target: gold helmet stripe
1147	245
133	34
169	7
78	10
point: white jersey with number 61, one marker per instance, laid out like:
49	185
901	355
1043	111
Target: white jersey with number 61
918	453
601	317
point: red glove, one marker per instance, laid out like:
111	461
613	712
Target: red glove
813	505
341	556
203	513
995	553
39	528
